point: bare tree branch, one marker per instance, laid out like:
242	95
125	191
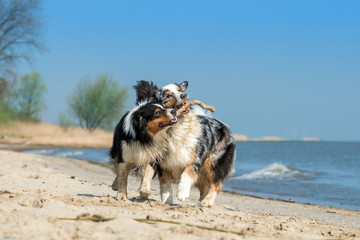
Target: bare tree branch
21	31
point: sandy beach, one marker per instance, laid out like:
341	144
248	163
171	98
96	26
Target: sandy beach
55	198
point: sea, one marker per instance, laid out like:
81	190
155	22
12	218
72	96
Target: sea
321	173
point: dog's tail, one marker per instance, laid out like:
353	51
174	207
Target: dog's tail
145	91
223	167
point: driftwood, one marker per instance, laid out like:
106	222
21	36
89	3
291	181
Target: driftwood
187	104
204	106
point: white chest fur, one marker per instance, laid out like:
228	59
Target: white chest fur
138	154
182	141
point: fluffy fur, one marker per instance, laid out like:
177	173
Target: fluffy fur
201	150
139	139
145	91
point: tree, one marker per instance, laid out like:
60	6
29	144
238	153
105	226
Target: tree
98	102
21	29
3	88
64	121
29	97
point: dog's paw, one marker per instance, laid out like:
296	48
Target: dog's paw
183	194
145	192
168	200
122	197
206	203
114	185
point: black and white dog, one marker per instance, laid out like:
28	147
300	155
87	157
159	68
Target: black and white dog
200	149
139	139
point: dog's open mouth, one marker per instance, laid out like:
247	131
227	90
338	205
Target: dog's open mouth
168	123
177	107
181	108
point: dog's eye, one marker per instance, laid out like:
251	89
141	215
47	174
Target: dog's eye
157	114
169	96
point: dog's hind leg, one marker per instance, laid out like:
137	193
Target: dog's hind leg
217	171
147	173
209	199
203	184
166	191
122	178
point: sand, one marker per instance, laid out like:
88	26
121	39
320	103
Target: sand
41	196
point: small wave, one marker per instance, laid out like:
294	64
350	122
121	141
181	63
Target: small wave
275	170
70	154
42	151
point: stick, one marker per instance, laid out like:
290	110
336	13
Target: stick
204	106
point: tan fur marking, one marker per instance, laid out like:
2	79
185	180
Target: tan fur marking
192	158
165	177
205	180
171	102
153	126
190	169
217	187
207	168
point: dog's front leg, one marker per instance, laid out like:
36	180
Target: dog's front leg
122	177
147	173
187	179
166	191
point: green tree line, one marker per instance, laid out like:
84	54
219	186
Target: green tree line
94	103
23	100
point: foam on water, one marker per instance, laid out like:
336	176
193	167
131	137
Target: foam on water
42	151
274	170
70	154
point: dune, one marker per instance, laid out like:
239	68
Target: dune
240	137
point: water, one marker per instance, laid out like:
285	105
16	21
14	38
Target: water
324	173
92	154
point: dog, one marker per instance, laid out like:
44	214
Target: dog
139	139
200	149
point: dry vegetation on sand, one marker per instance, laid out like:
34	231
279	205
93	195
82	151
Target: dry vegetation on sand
46	134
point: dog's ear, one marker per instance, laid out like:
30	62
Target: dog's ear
140	125
145	90
183	86
157	95
142	122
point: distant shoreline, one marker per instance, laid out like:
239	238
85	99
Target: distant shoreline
244	138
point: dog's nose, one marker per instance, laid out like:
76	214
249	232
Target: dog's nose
183	95
173	112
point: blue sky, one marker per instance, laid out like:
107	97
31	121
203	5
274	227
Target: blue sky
271	68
